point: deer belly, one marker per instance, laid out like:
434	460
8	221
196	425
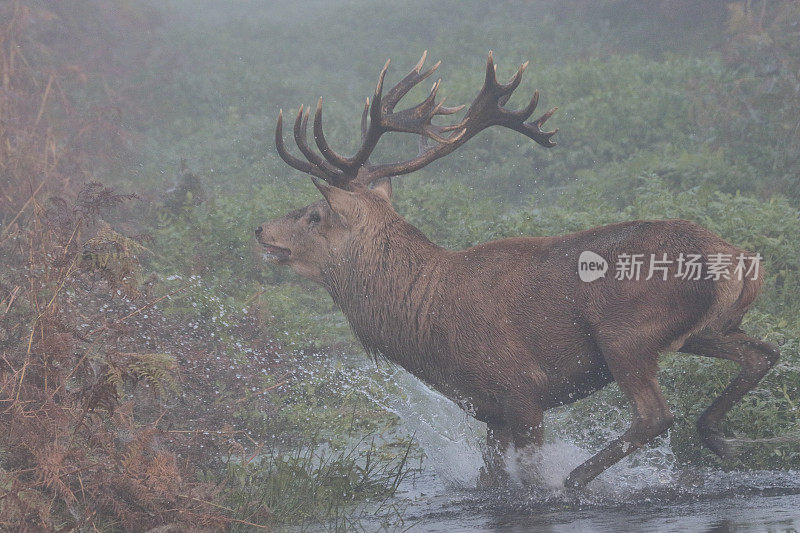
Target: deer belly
474	394
577	381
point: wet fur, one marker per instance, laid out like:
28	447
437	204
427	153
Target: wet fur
508	329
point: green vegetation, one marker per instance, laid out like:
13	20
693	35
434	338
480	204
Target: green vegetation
312	486
668	112
648	129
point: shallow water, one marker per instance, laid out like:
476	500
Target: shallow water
753	501
645	492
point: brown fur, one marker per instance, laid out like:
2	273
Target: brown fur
507	328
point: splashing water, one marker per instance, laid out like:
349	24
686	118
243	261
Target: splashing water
450	438
647	490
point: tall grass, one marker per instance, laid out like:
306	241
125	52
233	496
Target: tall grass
313	484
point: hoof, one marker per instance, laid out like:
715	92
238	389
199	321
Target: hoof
575	482
491	479
724	448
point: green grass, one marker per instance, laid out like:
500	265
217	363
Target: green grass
653	129
313	484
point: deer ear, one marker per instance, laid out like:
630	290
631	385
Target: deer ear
382	186
339	200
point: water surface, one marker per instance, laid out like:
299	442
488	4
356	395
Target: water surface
648	491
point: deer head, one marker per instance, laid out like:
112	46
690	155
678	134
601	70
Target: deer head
357	194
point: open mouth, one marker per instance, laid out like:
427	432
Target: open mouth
276	253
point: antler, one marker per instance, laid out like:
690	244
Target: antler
379	117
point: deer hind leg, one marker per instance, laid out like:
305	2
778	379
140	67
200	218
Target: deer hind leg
755	357
651	417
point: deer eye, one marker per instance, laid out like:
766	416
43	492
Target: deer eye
313	217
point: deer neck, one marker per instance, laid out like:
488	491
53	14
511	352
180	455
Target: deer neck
386	286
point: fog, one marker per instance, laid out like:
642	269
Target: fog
164	368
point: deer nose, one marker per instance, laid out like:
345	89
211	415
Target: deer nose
259	229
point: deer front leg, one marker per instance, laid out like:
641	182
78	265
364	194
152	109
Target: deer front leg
524	431
498	439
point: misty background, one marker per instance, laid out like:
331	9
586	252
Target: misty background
156	371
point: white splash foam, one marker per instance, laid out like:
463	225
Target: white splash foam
545	466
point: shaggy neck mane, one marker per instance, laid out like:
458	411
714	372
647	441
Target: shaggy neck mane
386	286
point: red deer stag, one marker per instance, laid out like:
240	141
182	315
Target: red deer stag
508	327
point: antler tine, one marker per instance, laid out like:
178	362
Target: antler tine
411	80
524	114
377	97
301	139
294	162
535	132
442	110
421	62
335	159
424	110
365	121
504	89
490	78
512	85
